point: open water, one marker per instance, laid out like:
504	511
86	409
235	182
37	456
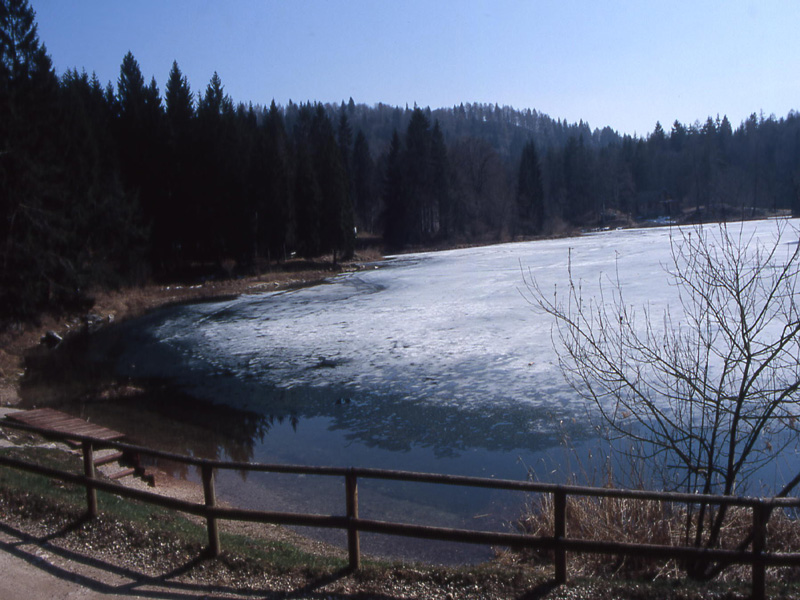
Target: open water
430	362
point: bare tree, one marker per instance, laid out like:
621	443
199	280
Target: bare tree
711	387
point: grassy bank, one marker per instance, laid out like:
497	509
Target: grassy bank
150	542
138	534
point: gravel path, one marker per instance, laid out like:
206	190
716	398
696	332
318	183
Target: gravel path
29	571
35	566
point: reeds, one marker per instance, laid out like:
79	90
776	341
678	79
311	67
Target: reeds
661	523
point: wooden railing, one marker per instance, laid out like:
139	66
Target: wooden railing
757	556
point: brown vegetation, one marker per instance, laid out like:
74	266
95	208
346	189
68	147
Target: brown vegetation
649	522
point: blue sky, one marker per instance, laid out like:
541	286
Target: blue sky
625	64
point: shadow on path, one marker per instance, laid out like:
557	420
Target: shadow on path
134	583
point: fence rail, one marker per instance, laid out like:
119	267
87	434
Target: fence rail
757	556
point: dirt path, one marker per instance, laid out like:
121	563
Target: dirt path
31	571
32	567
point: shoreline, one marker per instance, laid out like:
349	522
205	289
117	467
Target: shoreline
18	341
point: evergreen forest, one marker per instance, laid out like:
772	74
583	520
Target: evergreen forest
125	182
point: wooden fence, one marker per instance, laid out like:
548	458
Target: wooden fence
757	556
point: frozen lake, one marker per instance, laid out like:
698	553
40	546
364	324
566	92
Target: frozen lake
432	362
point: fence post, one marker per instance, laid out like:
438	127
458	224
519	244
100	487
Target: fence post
353	542
760	518
88	471
211	501
559	533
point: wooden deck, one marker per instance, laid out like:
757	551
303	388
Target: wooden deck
55	420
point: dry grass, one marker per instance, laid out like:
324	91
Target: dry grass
609	519
651	522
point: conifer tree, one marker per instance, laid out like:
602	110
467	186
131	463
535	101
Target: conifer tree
35	242
395	233
530	192
308	202
443	210
182	159
19	40
417	172
214	229
64	221
364	187
280	224
179	103
336	219
141	144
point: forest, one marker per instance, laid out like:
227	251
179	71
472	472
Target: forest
120	183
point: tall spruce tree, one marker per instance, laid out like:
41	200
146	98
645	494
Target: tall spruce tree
37	266
278	207
395	232
110	240
215	233
142	149
337	222
308	203
365	197
530	192
64	221
444	210
179	101
179	207
419	197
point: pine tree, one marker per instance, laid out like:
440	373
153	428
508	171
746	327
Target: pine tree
443	209
179	103
308	203
20	48
280	227
142	147
131	90
182	159
337	222
395	232
364	193
64	221
36	270
530	192
417	171
110	241
214	231
215	102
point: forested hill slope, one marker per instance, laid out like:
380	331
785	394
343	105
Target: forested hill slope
105	184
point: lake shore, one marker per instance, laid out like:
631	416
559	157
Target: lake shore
19	343
20	340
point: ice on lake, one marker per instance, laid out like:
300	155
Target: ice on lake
428	362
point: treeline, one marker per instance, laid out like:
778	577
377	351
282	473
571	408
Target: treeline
108	184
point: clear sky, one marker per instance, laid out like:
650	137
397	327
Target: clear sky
626	64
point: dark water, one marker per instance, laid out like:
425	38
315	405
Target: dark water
329	426
433	364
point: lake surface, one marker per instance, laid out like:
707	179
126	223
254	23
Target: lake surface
431	362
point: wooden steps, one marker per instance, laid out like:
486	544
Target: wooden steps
107	458
56	421
122	473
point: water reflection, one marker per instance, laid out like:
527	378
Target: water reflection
165	418
232	414
224	381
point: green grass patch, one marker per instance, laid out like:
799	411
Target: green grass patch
163	533
47	497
